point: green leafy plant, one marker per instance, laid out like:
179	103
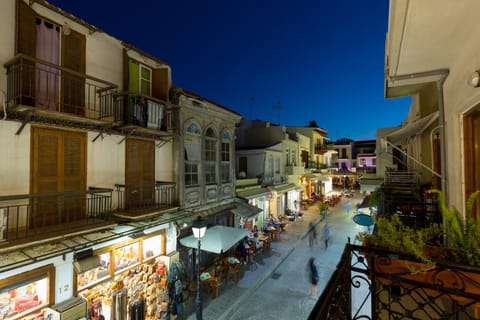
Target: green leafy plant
462	234
322	207
395	236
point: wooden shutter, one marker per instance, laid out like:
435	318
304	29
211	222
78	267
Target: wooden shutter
58	165
26	44
140	173
73	86
160	83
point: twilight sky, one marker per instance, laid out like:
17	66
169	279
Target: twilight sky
282	61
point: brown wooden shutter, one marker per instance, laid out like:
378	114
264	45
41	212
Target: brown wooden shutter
148	177
140	173
160	85
58	165
25	29
26	44
73	87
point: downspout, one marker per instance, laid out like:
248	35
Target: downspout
443	74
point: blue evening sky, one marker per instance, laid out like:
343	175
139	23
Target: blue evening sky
287	62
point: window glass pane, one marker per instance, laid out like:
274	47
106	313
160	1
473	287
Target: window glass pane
225	172
28	296
126	256
210	173
151	247
96	275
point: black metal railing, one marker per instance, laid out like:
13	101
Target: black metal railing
144	111
371	283
158	195
43	85
31	215
402	178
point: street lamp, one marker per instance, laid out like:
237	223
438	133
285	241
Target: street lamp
199	227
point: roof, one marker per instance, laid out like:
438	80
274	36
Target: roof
196	96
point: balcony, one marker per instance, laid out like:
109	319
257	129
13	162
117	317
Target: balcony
137	202
362	287
144	113
25	218
321	148
41	91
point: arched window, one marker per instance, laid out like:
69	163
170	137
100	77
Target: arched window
226	156
210	156
192	153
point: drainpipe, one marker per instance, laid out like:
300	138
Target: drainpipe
442	74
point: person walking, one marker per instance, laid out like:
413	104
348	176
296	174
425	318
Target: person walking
313	276
312	235
326	234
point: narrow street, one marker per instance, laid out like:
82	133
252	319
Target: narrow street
276	287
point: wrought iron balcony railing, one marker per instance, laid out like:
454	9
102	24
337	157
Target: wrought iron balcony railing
365	285
45	86
143	111
147	197
40	215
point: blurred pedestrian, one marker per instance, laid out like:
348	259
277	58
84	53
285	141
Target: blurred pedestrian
326	234
313	276
312	238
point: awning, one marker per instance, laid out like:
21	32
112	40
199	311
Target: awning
246	210
283	187
217	239
412	129
253	193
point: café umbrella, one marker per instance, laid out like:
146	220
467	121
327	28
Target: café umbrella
217	239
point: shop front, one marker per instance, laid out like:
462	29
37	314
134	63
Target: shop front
103	273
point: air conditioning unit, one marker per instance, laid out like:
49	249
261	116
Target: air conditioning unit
71	309
85	264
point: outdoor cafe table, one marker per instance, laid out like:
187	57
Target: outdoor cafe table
274	232
265	240
210	282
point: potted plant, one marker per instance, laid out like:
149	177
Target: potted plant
457	244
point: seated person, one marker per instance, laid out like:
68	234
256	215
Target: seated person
242	251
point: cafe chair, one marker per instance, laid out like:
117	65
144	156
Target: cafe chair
234	272
214	285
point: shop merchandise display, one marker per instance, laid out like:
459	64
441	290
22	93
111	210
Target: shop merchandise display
141	292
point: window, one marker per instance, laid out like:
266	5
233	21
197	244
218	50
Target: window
471	132
287	157
192	154
277	165
225	157
140	78
191	173
210	156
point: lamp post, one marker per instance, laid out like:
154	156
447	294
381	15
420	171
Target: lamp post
199	227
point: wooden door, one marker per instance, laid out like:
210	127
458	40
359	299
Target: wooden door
139	173
58	165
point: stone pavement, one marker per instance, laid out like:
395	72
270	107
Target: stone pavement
233	296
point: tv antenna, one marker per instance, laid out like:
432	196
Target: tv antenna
278	107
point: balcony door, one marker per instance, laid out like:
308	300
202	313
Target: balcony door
471	145
41	84
58	165
140	174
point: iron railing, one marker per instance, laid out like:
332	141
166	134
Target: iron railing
161	194
31	215
43	85
365	286
402	178
144	111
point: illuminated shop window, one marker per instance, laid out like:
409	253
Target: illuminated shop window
23	297
95	275
151	247
126	256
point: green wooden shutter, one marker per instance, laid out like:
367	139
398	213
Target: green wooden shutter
25	43
133	76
